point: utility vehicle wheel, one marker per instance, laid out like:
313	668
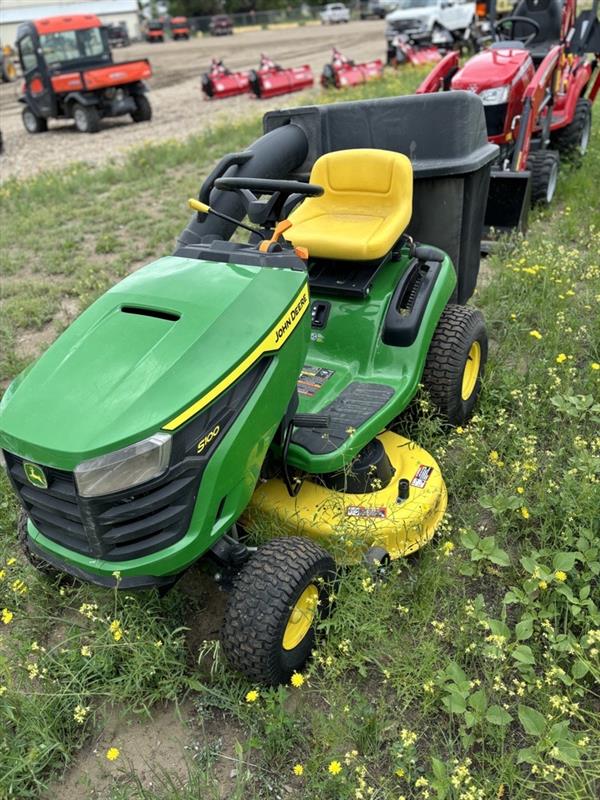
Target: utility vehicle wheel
544	175
143	109
456	361
42	566
572	141
87	118
9	71
268	630
33	123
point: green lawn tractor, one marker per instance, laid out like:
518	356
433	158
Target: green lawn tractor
236	382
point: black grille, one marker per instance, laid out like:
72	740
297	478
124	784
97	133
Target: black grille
117	527
494	118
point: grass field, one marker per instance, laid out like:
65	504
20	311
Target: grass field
473	673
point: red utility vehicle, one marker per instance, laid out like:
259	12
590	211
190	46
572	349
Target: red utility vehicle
155	31
270	79
537	85
180	28
343	71
69	72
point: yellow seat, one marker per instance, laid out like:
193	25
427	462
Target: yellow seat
365	208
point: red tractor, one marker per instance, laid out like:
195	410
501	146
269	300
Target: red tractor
537	85
342	71
69	73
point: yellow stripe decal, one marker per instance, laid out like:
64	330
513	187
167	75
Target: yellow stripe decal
273	341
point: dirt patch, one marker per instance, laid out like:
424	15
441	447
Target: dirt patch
151	748
178	106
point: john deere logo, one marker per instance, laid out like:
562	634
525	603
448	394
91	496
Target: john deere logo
35	475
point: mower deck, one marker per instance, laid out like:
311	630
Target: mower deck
357	521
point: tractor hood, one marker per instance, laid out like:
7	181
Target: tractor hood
494	67
142	354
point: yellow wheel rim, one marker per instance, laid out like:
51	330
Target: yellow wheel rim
11	71
471	371
301	618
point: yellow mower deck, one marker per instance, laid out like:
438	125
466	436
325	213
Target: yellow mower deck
358	521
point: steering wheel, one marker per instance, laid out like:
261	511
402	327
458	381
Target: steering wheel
284	195
525	39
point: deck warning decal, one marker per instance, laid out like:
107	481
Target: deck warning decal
312	379
368	513
421	476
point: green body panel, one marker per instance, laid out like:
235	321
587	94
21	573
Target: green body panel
351	346
114	378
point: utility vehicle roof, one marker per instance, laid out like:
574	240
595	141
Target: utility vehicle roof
74	22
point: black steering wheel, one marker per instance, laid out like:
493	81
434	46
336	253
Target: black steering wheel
525	39
284	195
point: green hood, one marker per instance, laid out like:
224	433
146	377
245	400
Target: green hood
116	376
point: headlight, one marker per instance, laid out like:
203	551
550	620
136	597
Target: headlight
124	468
493	97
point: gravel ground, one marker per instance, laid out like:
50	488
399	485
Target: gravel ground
178	105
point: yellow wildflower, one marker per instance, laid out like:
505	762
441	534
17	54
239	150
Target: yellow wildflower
595	365
448	547
297	680
542	585
113	753
7	616
86	651
11	561
400	773
80	713
560	575
3	690
298	769
116	630
560	358
520	490
524	512
334	767
252	696
535	334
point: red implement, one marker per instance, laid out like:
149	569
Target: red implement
219	82
270	79
342	71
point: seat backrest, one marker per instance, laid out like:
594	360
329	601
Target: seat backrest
547	14
380	178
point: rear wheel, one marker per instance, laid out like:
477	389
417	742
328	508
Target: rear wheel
456	362
269	631
143	109
33	123
572	141
87	118
544	166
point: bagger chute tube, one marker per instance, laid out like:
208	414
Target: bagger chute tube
245	386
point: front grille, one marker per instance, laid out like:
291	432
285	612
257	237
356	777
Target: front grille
401	25
495	117
117	527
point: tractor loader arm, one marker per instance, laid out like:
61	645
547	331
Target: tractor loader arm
440	76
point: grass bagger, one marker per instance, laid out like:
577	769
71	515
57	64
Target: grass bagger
342	71
263	379
69	73
220	82
537	85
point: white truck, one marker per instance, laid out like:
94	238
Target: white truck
423	18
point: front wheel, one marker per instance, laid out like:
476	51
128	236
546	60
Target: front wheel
87	118
269	629
33	123
544	166
143	109
456	362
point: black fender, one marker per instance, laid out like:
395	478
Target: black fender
81	98
140	87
